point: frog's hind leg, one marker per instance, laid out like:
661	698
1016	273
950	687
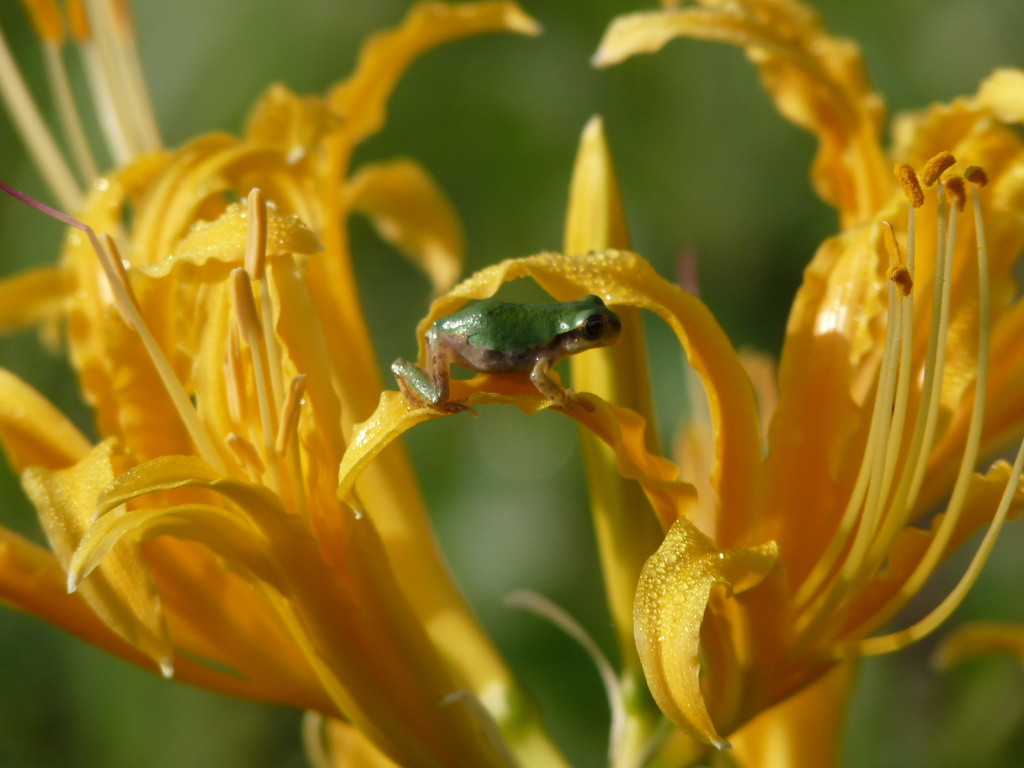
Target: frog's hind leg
428	388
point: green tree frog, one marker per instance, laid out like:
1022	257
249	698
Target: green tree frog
498	337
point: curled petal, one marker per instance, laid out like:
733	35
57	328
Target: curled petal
619	428
122	591
32	296
363	97
223	531
223	240
979	637
673	593
412	213
1003	93
818	82
33	431
167	473
626	279
294	124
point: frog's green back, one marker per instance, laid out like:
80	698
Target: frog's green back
508	327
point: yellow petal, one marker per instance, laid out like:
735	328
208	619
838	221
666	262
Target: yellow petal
348	746
362	98
31	297
349	617
627	532
294	124
223	241
122	591
32	580
978	638
596	220
818	82
1003	93
671	598
412	213
804	731
33	431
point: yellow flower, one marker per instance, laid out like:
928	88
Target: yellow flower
220	342
811	534
881	406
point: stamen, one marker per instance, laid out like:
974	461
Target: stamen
124	300
233	376
287	443
956	191
935	357
897	273
78	20
35	134
911	186
937	547
287	430
256	265
46	19
249	323
256	235
858	516
245	306
976	175
247	454
934	167
50	27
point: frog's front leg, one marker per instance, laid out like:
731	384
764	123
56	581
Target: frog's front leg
564	398
428	388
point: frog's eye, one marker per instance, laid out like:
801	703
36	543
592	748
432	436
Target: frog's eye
593	327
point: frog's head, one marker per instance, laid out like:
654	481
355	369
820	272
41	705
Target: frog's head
591	324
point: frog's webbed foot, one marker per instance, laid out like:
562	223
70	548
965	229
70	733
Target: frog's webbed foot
423	391
571	399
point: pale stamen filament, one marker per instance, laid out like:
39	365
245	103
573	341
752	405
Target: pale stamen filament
114	269
852	514
256	266
104	104
858	516
35	134
71	121
901	639
866	566
144	118
234	377
935	360
247	455
249	324
129	107
893	518
287	442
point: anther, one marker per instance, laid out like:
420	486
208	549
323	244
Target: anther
976	175
245	306
246	453
957	191
904	173
288	424
78	20
46	20
934	167
256	235
898	273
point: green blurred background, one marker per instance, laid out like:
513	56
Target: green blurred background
706	165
